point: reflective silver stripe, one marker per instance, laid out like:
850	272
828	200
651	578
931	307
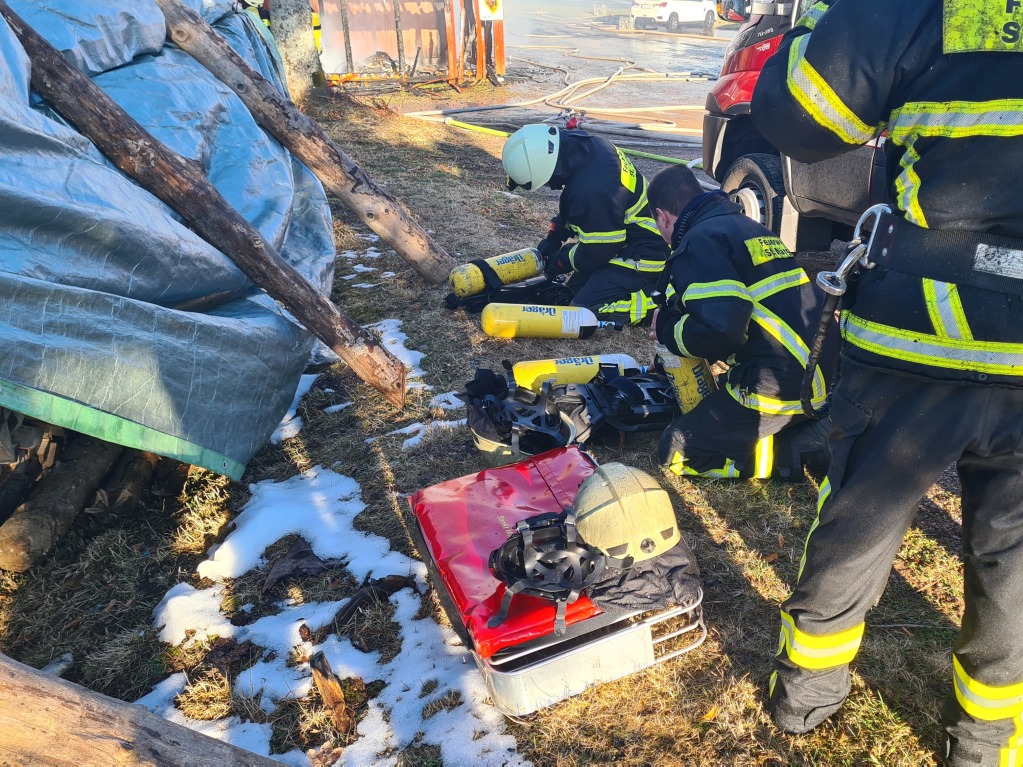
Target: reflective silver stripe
987	702
589	238
640	266
956	119
946	310
779	282
677	332
924	349
812	16
820	102
719	289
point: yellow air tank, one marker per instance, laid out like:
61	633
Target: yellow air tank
533	321
690	377
570	370
470	279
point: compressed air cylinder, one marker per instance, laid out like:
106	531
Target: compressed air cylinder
690	377
533	321
470	279
532	374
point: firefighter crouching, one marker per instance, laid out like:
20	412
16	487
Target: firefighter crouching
932	368
618	254
740	297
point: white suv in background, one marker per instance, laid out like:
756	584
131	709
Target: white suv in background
670	13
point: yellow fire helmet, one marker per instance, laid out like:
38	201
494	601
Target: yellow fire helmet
625	513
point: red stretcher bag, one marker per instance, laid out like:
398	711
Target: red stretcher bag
463	520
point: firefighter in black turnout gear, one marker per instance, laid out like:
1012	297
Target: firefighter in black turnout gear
617	253
739	297
932	364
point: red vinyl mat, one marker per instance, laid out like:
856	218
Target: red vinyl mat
463	520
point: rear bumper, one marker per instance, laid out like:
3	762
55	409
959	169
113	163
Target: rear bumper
713	135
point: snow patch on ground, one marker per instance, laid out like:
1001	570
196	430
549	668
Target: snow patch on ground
418	431
321	505
337	408
447	401
363	268
292	424
364	285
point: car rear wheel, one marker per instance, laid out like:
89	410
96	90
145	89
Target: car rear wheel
755	182
672	23
708	23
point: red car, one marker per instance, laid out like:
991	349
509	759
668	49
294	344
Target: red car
807	205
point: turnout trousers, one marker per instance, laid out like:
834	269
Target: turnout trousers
892	436
616	294
721	438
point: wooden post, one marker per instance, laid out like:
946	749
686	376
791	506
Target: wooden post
349	61
42	520
307	141
182	184
499	57
401	37
49	721
449	22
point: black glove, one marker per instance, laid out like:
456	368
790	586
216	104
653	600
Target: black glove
559	262
556	235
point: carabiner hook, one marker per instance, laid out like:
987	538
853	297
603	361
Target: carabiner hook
875	212
856	252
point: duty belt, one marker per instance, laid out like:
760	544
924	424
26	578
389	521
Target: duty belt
975	259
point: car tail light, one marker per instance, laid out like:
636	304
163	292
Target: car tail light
742	58
664	5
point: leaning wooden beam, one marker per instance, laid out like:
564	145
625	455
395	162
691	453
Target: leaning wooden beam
37	524
307	141
49	721
182	184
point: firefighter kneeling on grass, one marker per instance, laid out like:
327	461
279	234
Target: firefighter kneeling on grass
618	254
739	297
932	364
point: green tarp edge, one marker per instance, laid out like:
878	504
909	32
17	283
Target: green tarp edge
111	428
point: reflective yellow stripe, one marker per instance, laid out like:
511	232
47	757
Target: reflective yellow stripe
764	289
1012	754
632	215
679	466
935	351
590	238
772	682
946	310
637	306
571	255
763	458
642	265
986	702
821	103
717	289
956	119
812	16
907	186
777	329
677	333
821	652
763	403
822	496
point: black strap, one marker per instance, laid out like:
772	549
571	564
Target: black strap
974	259
490	278
806	389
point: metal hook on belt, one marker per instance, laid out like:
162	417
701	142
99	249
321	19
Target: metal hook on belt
856	253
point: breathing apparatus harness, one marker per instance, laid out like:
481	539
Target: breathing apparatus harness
546	558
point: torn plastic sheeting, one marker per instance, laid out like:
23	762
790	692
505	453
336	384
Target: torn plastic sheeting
91	265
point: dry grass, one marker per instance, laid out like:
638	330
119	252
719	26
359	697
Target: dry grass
94	597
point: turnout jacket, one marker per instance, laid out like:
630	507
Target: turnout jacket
945	79
604	205
740	297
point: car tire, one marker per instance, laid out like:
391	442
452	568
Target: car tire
671	25
756	183
708	23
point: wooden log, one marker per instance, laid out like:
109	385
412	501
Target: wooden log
306	140
43	519
49	721
333	696
182	184
122	489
